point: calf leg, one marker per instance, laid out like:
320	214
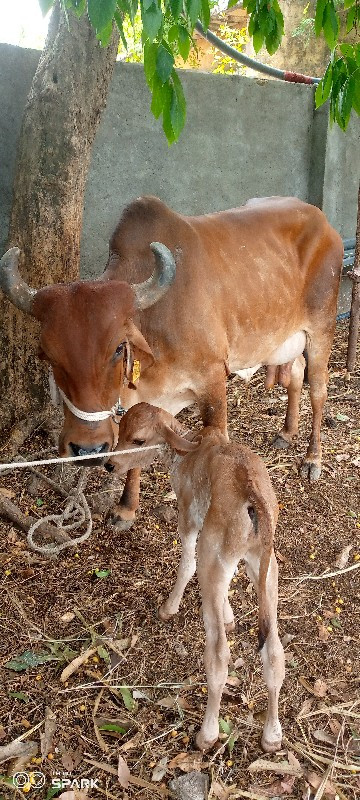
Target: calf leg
272	653
214	578
290	429
187	566
124	513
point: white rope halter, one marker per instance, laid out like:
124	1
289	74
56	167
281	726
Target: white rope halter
57	395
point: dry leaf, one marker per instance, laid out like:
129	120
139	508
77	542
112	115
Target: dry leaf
6	492
335	726
281	767
123	773
276	789
187	761
131	743
323	632
320	688
239	663
322	736
172	701
74	794
160	769
287	638
293	761
219	791
232	680
343	557
315	780
46	738
68	616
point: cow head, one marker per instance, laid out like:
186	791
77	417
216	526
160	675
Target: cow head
90	340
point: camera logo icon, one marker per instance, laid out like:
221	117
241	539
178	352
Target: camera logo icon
35	779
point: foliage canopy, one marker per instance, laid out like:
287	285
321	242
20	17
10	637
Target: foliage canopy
167	29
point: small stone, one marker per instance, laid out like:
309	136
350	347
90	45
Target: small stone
193	786
165	513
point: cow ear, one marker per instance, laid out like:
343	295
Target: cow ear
177	442
141	351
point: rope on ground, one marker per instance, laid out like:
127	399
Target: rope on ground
77	510
68	459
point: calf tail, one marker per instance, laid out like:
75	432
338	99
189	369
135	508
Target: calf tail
264	526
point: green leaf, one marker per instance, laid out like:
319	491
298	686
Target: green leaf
128	699
102	573
151	19
178	106
342	417
258	39
232	3
29	659
39	502
20	696
103	653
173	33
101	13
105	35
167	124
205	13
346	100
164	63
78	6
225	727
193	10
150	50
350	19
330	25
112	726
184	42
347	50
356	98
119	22
349	3
319	16
335	622
45	6
160	96
176	7
323	88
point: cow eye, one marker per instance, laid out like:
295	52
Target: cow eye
120	349
139	442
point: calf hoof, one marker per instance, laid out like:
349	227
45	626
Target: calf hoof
311	471
122	519
203	744
280	443
163	614
270	747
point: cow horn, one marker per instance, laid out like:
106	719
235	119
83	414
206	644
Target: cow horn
148	292
12	284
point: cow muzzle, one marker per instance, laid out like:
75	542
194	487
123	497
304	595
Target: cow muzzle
79	450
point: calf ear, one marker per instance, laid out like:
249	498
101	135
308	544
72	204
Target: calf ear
140	348
179	443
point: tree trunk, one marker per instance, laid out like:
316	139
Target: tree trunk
68	93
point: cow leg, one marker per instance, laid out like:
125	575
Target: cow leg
124	513
214	577
291	425
212	403
318	357
188	534
272	653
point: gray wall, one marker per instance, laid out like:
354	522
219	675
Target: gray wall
244	137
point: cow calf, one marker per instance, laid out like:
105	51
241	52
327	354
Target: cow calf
228	508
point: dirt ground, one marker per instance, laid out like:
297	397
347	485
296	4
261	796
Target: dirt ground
141	693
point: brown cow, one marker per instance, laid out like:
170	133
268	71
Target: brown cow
227	512
253	286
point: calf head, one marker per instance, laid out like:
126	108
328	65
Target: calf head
90	341
145	425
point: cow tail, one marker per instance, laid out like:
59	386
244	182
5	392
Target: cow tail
263	523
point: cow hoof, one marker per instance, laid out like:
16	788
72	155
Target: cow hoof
280	443
311	471
270	747
120	524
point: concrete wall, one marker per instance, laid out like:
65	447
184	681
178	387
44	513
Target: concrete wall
244	137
